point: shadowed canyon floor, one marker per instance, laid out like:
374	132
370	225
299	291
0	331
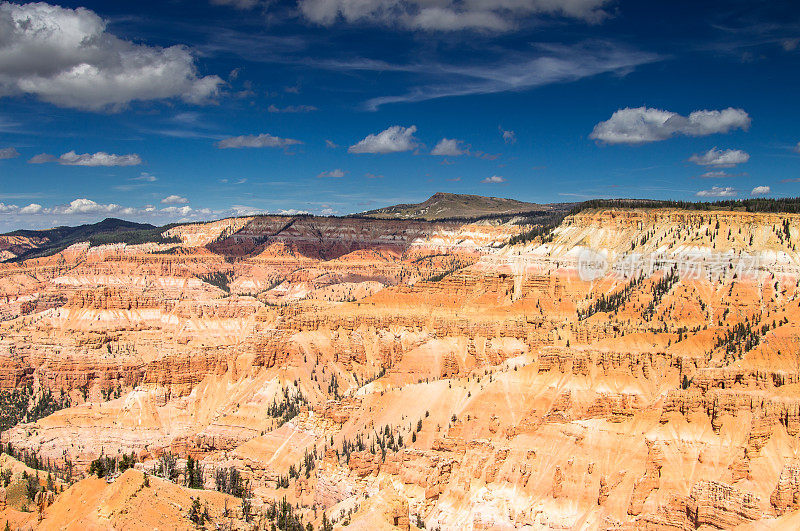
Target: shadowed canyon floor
634	369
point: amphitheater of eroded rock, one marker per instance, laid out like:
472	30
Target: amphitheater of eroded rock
434	375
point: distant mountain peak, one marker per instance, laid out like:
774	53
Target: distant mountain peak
447	205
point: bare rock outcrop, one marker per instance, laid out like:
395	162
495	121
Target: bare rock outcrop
649	481
720	505
786	496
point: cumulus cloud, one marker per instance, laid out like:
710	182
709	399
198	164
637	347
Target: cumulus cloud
291	109
392	140
449	147
100	158
33	208
8	153
337	173
66	57
642	124
716	174
449	15
244	210
760	190
718	191
84	210
41	158
85	206
174	200
494	179
257	141
183	211
722	158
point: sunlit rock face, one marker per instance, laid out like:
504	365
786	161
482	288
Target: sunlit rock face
639	369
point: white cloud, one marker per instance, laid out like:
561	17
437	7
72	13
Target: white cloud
494	179
100	158
183	211
8	153
760	190
449	15
85	206
146	177
66	57
796	149
292	212
257	141
509	137
174	200
331	144
642	124
716	174
33	208
722	158
337	173
392	140
449	147
85	210
41	158
244	210
542	65
718	191
373	175
238	4
291	109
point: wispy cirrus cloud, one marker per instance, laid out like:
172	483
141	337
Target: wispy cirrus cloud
238	4
509	137
291	109
547	64
336	174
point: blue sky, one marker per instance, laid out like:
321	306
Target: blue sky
183	110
